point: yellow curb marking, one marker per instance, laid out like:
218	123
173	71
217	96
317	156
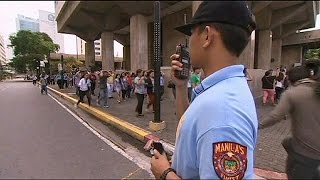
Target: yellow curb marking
131	174
131	129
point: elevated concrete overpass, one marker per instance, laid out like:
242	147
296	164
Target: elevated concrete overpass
130	23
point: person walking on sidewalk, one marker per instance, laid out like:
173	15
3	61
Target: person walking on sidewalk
93	79
130	85
34	80
103	93
268	87
118	87
217	133
84	89
43	84
124	85
110	84
150	90
301	101
279	87
139	90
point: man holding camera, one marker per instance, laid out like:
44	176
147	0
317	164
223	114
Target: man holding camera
217	132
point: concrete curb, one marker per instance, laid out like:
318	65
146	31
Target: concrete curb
144	135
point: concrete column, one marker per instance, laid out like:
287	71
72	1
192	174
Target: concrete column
195	5
138	42
247	56
89	53
126	57
276	53
107	51
264	49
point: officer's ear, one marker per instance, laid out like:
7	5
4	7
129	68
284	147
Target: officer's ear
208	36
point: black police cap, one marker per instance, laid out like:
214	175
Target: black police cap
234	13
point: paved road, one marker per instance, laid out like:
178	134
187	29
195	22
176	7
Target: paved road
40	139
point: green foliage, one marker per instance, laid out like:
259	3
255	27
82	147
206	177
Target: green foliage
19	63
312	54
30	47
68	64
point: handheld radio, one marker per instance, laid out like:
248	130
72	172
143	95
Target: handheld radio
184	58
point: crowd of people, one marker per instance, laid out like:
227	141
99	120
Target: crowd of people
274	84
119	85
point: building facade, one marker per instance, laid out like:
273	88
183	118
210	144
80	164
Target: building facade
46	23
81	46
26	23
3	59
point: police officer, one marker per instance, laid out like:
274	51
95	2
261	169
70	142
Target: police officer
217	132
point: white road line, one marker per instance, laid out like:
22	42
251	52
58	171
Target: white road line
116	148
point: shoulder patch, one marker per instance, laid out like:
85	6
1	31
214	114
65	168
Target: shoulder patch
229	160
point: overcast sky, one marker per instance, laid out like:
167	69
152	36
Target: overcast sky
10	9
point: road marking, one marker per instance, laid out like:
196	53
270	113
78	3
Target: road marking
108	142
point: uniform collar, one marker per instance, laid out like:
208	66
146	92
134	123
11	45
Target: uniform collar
220	75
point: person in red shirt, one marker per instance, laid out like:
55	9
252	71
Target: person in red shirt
130	84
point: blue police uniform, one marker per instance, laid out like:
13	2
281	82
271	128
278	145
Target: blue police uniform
217	134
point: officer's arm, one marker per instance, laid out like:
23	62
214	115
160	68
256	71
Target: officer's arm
225	153
279	112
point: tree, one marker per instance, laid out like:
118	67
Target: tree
29	48
68	64
312	54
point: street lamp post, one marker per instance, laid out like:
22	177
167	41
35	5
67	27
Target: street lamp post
156	124
157	59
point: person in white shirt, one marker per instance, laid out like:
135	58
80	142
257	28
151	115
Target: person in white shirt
84	89
279	85
34	80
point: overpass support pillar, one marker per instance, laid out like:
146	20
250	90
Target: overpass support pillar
107	51
138	42
126	57
247	56
264	49
276	52
89	54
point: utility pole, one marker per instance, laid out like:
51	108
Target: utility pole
157	59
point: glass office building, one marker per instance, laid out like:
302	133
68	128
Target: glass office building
26	23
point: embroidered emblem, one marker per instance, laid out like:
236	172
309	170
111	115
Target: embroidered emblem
229	160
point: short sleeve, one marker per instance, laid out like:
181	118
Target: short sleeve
224	153
136	80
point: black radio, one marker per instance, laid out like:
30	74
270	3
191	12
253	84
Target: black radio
184	58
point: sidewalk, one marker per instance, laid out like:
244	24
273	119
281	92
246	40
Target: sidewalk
269	154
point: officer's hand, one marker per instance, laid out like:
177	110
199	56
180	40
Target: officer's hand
159	163
176	65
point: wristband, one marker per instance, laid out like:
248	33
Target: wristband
165	173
